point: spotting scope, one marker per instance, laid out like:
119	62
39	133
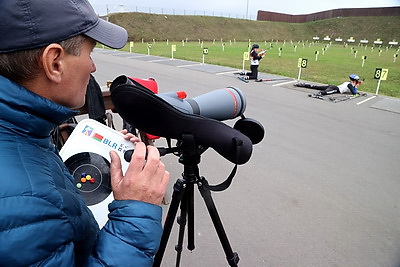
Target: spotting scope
170	115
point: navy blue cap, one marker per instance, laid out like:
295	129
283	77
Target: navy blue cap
28	24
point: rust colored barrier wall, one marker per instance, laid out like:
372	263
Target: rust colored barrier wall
334	13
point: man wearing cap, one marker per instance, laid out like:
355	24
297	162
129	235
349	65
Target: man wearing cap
45	66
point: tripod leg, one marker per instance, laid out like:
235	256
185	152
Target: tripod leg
232	257
182	223
187	215
179	189
190	211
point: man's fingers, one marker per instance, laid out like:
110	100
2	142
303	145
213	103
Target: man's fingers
138	157
115	169
145	179
153	163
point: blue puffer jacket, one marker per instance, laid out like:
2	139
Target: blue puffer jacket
43	219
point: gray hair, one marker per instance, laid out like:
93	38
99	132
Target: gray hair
22	65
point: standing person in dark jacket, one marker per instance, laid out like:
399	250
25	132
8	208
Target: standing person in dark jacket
45	66
94	101
346	87
255	56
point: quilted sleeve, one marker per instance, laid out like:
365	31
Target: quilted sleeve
131	237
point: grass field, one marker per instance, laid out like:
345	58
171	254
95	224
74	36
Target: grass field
332	66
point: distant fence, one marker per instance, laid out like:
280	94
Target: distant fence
334	13
170	11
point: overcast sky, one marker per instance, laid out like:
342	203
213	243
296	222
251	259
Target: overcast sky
233	7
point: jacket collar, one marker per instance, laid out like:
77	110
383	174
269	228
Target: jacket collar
28	112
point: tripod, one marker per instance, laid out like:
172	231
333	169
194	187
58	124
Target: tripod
183	196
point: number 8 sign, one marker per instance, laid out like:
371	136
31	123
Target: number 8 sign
302	63
377	74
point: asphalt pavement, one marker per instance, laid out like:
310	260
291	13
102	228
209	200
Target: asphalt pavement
321	189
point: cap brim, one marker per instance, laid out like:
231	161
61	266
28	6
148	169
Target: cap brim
108	34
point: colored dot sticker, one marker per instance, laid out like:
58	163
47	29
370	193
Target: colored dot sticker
92	180
83	180
79	185
88	177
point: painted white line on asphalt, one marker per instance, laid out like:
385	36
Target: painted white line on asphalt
137	56
365	100
159	60
183	66
226	72
278	84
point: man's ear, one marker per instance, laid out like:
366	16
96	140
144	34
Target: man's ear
52	60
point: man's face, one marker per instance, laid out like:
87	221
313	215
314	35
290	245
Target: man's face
76	76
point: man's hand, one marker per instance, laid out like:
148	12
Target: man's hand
130	136
145	179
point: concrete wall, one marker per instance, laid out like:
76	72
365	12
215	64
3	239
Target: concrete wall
334	13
